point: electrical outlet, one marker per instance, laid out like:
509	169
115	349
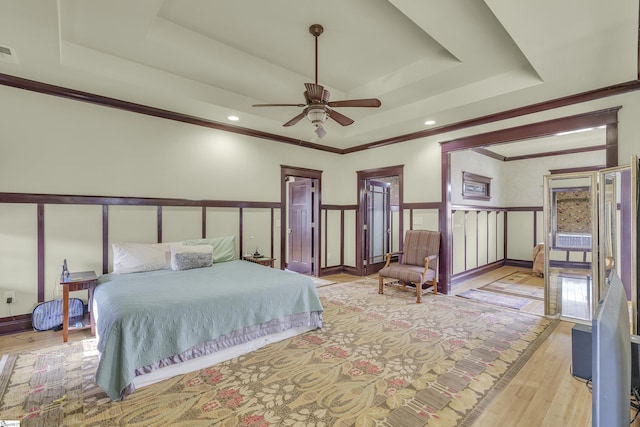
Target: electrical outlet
9	297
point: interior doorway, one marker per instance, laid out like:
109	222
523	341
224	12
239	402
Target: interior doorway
300	194
523	133
300	227
380	222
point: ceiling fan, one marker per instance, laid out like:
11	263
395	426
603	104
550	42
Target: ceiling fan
318	107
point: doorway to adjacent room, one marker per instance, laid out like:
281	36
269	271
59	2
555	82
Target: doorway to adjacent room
380	222
300	230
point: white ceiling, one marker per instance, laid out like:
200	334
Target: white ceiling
446	60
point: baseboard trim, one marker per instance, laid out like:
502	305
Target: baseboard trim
466	275
519	263
338	269
15	324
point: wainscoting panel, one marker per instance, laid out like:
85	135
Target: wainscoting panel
256	231
181	223
331	237
223	222
458	249
471	237
74	233
350	238
131	224
423	219
18	256
520	227
478	237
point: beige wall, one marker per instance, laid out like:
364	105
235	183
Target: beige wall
54	145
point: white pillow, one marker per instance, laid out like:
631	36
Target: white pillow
187	257
138	257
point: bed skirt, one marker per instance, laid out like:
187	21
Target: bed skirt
225	348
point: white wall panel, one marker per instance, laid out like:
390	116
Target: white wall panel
471	237
181	223
257	231
223	222
350	238
520	235
137	224
458	242
483	238
19	257
332	244
74	233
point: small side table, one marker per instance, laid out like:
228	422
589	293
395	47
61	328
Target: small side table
83	280
266	261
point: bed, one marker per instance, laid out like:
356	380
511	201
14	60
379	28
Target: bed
161	323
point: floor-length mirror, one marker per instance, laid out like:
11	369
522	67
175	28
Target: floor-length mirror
571	269
618	216
380	220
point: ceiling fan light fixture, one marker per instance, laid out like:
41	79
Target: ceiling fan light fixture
317	115
318	108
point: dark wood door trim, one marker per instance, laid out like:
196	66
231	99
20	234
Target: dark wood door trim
316	175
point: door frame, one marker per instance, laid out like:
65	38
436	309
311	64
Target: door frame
316	176
361	211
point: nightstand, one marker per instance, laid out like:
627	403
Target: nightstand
263	260
83	280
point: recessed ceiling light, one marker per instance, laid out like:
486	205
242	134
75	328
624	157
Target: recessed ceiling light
430	122
233	118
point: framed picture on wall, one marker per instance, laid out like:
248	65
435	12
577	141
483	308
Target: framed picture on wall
475	187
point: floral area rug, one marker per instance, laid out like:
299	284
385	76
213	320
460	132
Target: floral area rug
520	284
379	360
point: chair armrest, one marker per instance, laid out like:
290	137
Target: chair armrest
389	255
427	260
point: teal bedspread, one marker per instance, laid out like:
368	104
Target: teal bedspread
146	317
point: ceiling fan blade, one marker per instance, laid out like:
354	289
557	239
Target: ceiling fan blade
340	118
316	92
295	120
371	102
279	105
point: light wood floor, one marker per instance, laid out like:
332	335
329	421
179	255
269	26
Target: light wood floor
543	393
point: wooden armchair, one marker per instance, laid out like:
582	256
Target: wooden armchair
418	264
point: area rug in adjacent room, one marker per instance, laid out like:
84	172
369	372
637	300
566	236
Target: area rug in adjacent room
495	299
379	359
523	284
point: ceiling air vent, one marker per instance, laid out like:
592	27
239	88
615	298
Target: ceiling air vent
8	55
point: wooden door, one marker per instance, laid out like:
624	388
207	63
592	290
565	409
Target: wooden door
300	258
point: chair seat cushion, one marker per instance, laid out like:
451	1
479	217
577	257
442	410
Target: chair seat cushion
407	273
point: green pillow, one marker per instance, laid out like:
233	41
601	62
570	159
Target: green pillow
224	248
